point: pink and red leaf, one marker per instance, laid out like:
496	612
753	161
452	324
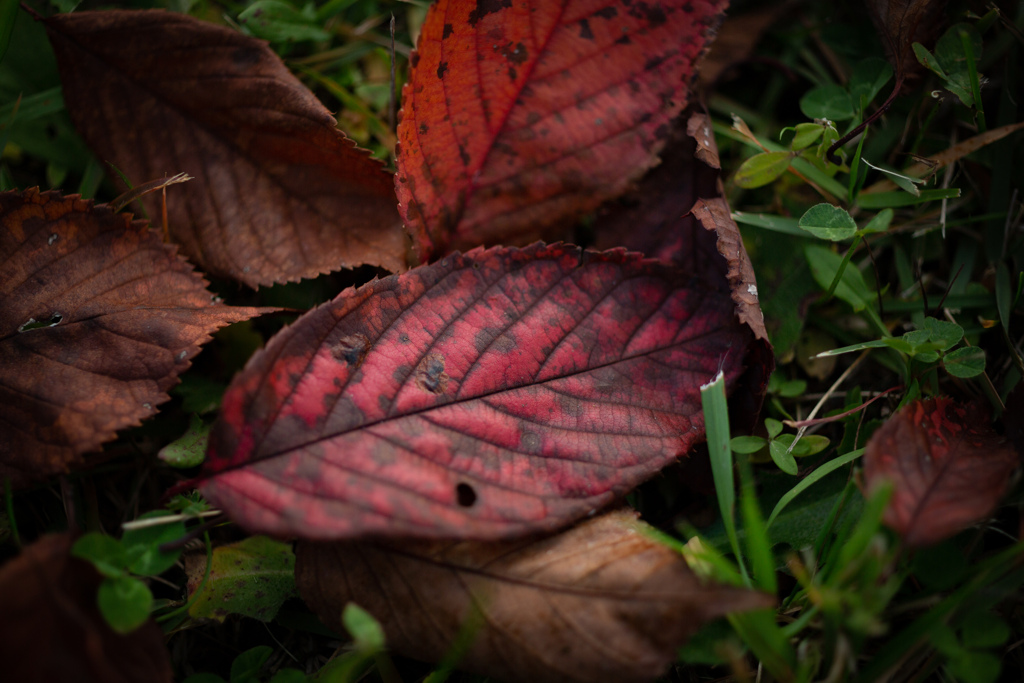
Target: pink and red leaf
488	395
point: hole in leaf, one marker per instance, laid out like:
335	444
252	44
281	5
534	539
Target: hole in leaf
34	324
465	495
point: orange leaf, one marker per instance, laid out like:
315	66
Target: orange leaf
521	115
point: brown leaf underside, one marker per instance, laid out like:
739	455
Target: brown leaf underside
54	633
279	193
521	115
599	602
948	466
122	316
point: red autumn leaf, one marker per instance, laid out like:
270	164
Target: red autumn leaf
97	319
598	602
948	466
54	632
521	115
279	193
487	395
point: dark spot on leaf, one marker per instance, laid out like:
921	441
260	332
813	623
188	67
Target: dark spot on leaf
430	374
530	442
655	15
441	68
414	59
505	344
351	349
585	32
448	29
512	73
423	129
653	62
623	40
465	494
485	7
400	373
607	13
464	156
482	340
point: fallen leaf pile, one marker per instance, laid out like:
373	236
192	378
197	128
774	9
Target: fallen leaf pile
475	406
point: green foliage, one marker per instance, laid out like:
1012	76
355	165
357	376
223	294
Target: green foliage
125	600
252	577
861	253
828	223
189	450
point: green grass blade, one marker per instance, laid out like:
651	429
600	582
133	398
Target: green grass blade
787	226
716	425
892	200
758	546
809	481
8	15
972	74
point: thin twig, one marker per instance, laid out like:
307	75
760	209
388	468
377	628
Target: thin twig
827	394
831	153
160	521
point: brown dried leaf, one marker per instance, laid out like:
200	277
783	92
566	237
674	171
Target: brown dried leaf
97	319
54	632
599	602
900	24
280	193
736	39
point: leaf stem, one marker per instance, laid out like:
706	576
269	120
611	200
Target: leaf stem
831	153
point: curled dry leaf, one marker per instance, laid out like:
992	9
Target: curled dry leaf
949	468
599	602
279	193
677	214
520	115
54	632
98	317
900	24
487	395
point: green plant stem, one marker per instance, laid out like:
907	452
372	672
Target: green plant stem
972	73
842	267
